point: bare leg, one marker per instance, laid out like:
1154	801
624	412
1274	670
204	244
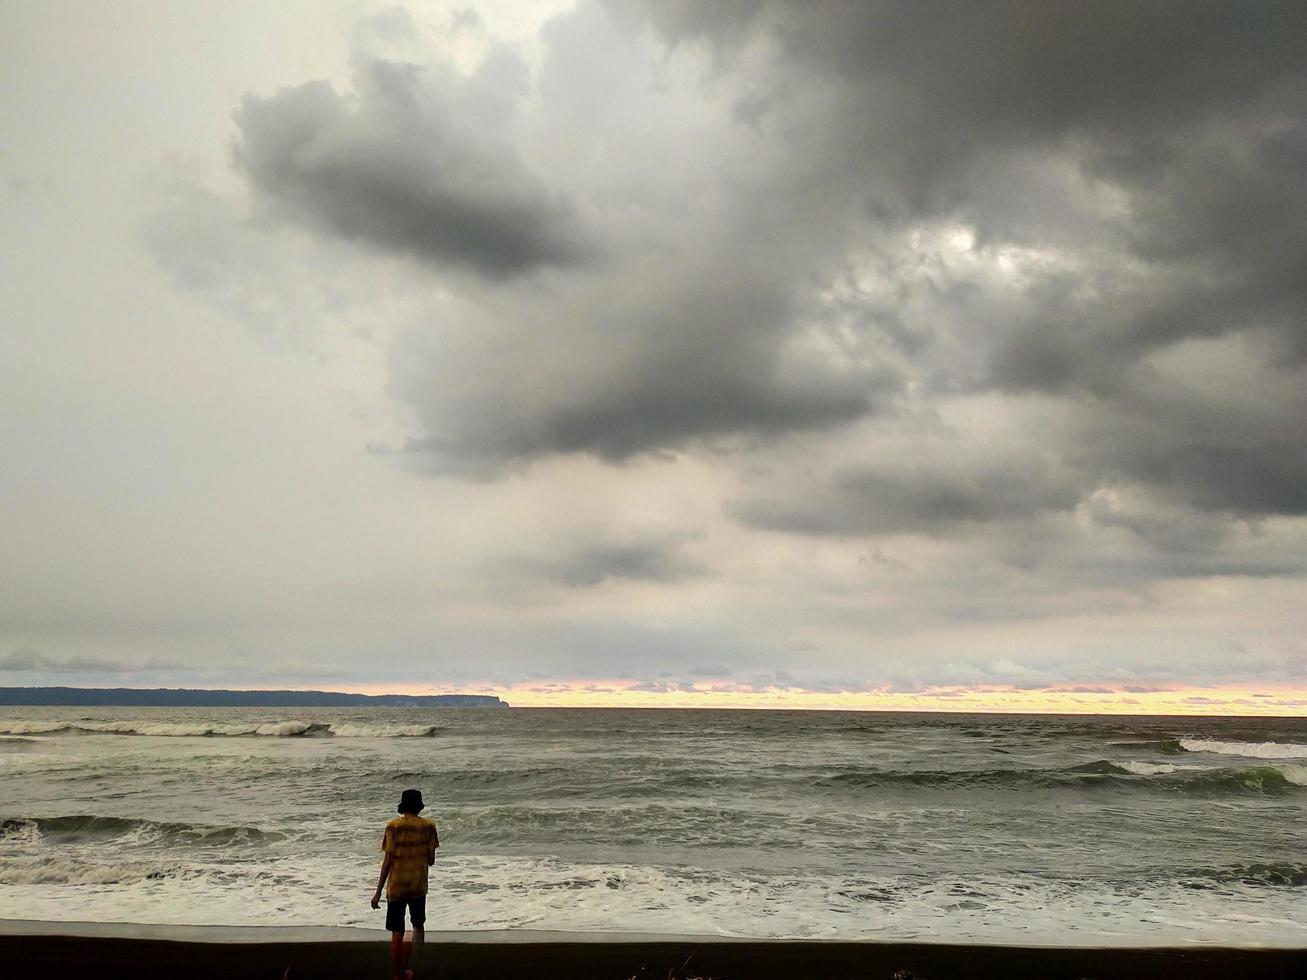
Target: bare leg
416	949
397	956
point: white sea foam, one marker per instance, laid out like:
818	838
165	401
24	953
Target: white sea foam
1149	768
486	892
383	731
1249	750
275	729
1294	774
26	859
165	730
31	727
48	869
283	728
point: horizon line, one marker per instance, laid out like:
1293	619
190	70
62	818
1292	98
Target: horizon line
1182	702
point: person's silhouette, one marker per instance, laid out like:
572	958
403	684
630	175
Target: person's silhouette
409	845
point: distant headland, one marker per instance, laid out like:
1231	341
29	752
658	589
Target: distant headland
186	698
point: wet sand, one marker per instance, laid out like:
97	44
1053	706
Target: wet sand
110	958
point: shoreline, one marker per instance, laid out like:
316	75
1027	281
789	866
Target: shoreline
258	935
290	935
34	949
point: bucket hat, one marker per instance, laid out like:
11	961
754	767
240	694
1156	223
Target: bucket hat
410	801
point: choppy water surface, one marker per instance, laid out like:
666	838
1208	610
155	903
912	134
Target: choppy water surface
1037	829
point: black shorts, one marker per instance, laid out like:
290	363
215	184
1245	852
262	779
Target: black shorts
417	911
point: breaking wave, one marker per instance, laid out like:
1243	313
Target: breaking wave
1162	746
1284	874
1215	746
1148	768
1194	780
89	828
344	730
1270	780
275	729
99	850
1249	750
45	869
1128	776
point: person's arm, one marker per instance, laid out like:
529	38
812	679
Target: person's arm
388	849
435	842
381	881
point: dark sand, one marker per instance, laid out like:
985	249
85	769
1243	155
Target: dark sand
112	958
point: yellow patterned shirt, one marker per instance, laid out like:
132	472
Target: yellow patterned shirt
411	843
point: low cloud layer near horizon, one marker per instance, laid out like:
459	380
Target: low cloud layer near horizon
829	347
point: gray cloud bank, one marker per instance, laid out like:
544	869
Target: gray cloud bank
917	496
406	165
1021	280
627	299
1154	244
1139	170
28	660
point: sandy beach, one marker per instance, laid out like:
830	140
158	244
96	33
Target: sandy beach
108	957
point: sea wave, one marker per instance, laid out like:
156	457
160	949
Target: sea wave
345	730
643	826
1128	776
1148	768
1163	746
557	782
545	781
1279	873
1249	750
275	729
1294	774
46	869
38	852
1271	780
30	832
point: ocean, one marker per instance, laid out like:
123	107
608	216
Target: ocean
1050	830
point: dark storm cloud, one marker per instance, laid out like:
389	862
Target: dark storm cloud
28	659
25	658
1148	161
1185	122
1217	229
682	377
672	315
1191	110
933	498
645	561
997	72
412	163
1235	447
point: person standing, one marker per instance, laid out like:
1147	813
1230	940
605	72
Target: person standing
409	848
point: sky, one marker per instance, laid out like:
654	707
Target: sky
826	354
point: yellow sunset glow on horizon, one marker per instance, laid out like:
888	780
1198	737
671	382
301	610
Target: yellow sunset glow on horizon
724	695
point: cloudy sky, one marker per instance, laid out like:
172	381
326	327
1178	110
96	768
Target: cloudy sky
658	352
